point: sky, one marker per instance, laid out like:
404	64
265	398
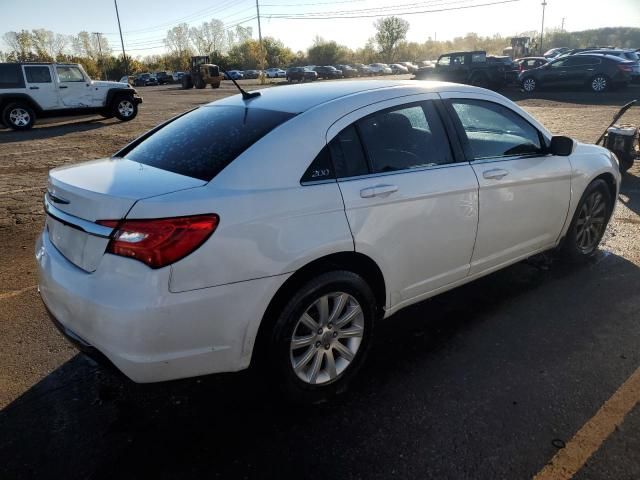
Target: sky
144	23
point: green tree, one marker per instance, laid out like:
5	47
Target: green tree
390	31
323	52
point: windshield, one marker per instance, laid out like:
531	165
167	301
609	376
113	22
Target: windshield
201	143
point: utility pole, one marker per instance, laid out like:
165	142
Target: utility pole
562	27
97	34
544	4
124	55
262	59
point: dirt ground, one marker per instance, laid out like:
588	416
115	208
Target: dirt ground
43	384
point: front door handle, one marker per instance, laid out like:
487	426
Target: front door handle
495	174
34	88
378	191
63	86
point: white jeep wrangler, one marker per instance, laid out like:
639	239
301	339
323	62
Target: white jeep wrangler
30	90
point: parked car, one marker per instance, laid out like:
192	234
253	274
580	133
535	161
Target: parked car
39	90
412	67
251	74
554	52
275	73
347	71
140	80
301	74
598	72
466	67
177	77
363	70
380	69
126	79
510	67
163	78
398	69
171	271
625	54
234	74
328	72
151	81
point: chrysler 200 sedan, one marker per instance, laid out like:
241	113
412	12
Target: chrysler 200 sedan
201	248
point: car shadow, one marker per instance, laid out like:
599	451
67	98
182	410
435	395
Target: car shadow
41	132
439	369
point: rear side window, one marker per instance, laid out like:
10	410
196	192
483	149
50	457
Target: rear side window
203	142
39	74
11	75
410	136
348	156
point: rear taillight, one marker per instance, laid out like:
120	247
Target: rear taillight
160	242
625	68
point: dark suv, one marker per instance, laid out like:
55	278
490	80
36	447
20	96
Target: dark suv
163	78
328	72
598	72
301	74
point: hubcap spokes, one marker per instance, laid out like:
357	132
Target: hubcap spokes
326	338
19	117
125	108
591	222
529	85
599	84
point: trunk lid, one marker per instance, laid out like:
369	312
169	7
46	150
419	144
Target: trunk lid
79	195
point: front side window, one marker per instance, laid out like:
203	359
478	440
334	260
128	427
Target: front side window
444	61
203	142
400	138
494	130
69	74
39	74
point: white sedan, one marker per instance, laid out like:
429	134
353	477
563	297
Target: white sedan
201	248
275	73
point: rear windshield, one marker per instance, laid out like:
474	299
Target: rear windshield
202	142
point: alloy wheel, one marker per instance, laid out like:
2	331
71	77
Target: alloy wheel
599	84
19	117
591	222
125	108
327	338
529	85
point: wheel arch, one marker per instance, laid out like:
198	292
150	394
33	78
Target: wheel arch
351	261
6	99
113	93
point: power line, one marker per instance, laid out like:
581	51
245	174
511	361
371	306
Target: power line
307	4
288	16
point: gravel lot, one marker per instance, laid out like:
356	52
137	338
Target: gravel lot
483	378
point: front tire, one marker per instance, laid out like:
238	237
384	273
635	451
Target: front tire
589	222
322	337
18	116
125	109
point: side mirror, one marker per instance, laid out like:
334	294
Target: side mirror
562	146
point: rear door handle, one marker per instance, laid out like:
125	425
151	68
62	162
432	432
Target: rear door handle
495	174
34	88
63	86
378	191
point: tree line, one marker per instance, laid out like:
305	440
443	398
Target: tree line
235	48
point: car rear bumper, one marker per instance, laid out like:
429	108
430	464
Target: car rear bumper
123	314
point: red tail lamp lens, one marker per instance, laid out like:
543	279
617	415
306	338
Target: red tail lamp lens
160	242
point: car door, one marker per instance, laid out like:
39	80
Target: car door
40	86
74	88
554	73
579	68
411	207
524	192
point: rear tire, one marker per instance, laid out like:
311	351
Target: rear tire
18	116
529	85
589	223
329	348
199	83
599	83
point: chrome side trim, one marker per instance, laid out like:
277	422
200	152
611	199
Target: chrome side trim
75	222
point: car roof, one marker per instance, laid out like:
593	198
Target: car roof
302	97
